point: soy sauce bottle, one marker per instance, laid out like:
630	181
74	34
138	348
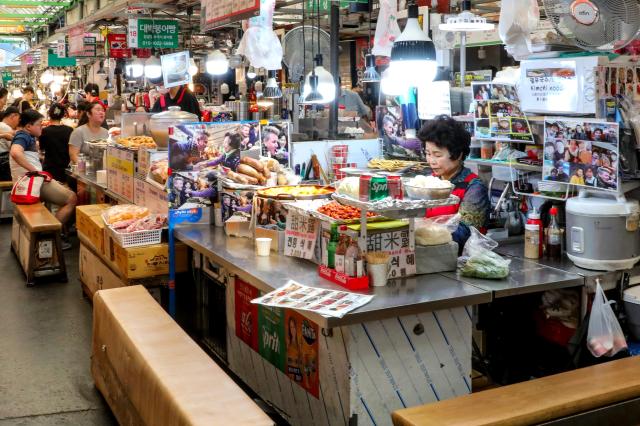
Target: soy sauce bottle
554	236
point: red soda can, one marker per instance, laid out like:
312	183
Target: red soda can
365	183
394	183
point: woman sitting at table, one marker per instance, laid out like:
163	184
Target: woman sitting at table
447	145
89	129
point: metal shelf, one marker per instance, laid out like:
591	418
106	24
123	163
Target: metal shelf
518	166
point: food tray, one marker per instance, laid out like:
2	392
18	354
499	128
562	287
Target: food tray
137	238
397	209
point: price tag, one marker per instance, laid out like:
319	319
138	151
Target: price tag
400	245
300	236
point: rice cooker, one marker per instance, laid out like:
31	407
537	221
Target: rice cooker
602	231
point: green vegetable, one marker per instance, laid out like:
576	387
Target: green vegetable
486	264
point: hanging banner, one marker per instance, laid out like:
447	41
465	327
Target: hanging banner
89	47
216	13
153	33
76	42
61	49
118	47
54	60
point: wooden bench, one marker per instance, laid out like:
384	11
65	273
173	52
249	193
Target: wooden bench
6	206
36	241
151	373
592	390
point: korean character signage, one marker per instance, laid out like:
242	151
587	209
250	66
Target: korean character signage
153	33
300	236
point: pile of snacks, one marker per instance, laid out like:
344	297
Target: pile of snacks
136	142
342	212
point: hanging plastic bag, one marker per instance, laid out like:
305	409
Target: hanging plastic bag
436	230
478	259
27	189
387	29
518	19
605	335
260	44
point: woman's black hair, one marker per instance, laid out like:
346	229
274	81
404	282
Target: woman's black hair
85	108
447	133
7	112
235	140
30	116
57	111
3	92
92	89
28	89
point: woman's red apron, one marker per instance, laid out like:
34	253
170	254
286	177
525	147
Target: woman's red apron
459	191
163	100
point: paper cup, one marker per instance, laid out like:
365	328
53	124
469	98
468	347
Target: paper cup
263	246
378	274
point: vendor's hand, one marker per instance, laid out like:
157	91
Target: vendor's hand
198	166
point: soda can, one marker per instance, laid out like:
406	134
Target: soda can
394	183
365	182
379	188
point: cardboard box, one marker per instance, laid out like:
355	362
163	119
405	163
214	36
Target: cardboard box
95	274
151	195
90	224
146	261
139	192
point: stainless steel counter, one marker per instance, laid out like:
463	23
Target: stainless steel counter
91	181
413	295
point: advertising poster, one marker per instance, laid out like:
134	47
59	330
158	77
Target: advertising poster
190	190
118	47
236	201
301	337
175	69
613	81
553	88
275	141
205	146
497	113
246	313
581	152
271	343
391	130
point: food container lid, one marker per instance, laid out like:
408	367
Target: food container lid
532	227
596	206
632	294
174	113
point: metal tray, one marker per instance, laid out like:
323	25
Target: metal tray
397	209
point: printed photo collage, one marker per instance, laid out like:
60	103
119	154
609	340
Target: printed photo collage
497	113
581	153
198	152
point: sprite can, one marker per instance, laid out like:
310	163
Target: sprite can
378	188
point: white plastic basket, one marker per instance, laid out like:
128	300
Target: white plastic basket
137	238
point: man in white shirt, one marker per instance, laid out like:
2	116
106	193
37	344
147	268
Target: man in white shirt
10	119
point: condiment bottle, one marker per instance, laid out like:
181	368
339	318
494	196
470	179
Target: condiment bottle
332	246
532	241
354	263
341	250
534	219
554	236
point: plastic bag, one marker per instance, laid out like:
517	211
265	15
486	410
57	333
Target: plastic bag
605	335
260	44
436	230
387	29
478	259
518	19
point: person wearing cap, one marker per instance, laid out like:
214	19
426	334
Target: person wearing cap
178	96
92	94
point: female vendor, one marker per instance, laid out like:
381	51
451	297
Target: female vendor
447	145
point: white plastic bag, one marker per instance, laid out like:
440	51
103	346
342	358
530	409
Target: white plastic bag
436	230
260	44
478	259
518	18
387	29
605	336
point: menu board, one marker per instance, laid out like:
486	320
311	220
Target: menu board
76	39
216	13
582	152
300	235
497	113
120	167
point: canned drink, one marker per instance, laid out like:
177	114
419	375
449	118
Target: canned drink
379	188
365	182
394	184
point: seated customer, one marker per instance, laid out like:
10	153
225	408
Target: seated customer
447	146
10	119
25	158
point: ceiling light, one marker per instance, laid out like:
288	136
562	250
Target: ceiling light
135	69
312	95
108	85
370	75
251	73
413	53
55	87
217	63
466	21
153	68
224	88
46	77
324	83
193	68
59	76
272	90
101	70
262	101
392	85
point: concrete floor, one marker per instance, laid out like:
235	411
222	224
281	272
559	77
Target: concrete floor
45	348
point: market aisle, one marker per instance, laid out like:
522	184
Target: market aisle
45	347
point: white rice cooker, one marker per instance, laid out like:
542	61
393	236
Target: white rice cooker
602	231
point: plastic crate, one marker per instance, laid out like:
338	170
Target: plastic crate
137	238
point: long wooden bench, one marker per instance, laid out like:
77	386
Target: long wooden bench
36	241
152	373
550	398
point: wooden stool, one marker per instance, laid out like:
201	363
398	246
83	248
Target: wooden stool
36	241
6	206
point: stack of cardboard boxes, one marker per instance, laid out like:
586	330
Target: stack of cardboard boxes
105	264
